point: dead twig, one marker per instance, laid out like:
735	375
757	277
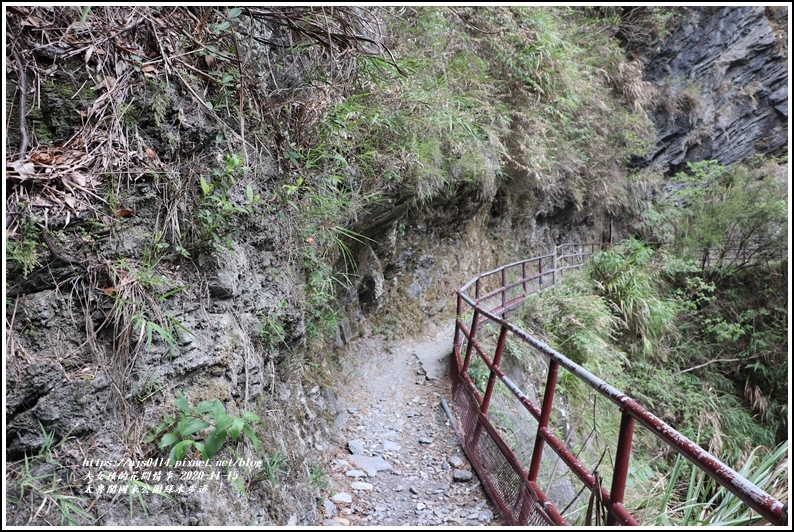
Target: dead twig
57	253
23	87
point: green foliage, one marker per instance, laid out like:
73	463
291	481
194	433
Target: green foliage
23	248
45	485
149	388
569	135
274	468
218	216
423	122
627	278
176	433
727	218
478	372
139	292
322	283
136	490
713	352
737	334
580	322
318	477
704	502
272	331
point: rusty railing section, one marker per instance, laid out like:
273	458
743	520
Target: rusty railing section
485	302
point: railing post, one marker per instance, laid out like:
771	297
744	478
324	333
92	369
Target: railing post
545	416
458	317
497	359
470	345
540	274
504	290
524	276
621	471
554	267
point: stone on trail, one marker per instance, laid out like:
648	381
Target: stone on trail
356	446
455	461
370	464
461	475
389	445
342	498
363	486
329	508
356	473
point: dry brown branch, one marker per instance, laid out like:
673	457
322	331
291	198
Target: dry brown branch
23	89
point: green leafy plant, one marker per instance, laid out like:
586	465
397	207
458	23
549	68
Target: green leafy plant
271	331
176	433
23	249
727	218
136	489
217	215
318	477
579	320
147	389
698	500
626	277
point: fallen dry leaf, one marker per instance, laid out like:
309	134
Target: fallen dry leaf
41	157
25	170
78	178
108	83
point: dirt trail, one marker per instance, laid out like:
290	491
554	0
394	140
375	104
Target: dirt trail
398	461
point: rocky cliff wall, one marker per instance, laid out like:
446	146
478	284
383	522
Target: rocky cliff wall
722	81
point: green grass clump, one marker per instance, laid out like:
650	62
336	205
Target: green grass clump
45	489
628	279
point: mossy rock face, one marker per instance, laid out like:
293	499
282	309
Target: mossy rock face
64	95
169	120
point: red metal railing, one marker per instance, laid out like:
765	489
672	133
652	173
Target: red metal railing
487	299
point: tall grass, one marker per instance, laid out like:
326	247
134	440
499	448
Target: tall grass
626	277
693	498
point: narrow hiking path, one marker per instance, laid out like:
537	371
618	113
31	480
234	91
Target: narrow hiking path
398	461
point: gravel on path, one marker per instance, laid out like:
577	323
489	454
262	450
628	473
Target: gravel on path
398	461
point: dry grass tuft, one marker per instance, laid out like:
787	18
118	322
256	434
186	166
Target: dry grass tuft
638	93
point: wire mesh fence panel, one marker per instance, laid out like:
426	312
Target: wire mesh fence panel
552	442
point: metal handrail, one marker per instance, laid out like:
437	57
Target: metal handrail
760	501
